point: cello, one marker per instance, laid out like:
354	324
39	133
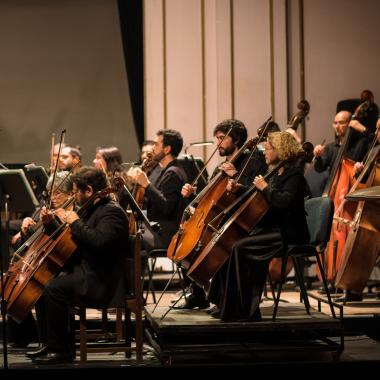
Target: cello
252	206
43	262
340	181
210	202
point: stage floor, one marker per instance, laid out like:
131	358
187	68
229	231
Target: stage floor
180	330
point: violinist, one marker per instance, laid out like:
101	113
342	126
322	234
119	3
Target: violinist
237	287
107	158
54	156
230	134
164	203
70	158
21	334
152	169
91	277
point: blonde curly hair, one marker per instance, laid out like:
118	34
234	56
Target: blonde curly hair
285	144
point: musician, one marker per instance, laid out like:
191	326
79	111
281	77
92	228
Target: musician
163	198
23	333
153	169
350	295
107	158
237	288
54	156
228	145
96	268
71	157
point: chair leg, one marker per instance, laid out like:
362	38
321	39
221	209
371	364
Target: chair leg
325	285
139	333
282	280
150	281
271	286
82	334
301	284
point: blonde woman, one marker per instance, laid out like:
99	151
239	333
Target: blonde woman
236	289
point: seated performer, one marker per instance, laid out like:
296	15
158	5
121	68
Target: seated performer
228	146
237	288
95	268
22	334
163	199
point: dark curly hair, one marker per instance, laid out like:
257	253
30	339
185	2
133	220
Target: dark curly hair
238	132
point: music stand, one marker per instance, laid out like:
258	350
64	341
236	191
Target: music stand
15	195
139	215
37	178
192	167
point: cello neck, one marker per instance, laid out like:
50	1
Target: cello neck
216	178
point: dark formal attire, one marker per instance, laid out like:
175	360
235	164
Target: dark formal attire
250	167
236	289
93	272
165	205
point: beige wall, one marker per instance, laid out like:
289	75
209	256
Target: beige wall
62	67
246	78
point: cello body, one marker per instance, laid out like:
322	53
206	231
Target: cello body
211	202
41	263
217	251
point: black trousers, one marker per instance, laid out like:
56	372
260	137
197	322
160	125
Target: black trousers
238	286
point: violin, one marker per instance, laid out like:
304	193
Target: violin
138	193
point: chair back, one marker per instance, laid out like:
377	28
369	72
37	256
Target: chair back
319	215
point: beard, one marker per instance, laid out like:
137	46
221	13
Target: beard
159	156
226	151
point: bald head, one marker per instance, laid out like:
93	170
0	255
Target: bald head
340	123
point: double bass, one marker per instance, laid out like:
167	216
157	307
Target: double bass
43	260
339	183
362	244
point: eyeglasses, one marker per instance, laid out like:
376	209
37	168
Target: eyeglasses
56	193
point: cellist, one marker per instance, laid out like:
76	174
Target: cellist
22	334
237	287
97	265
228	145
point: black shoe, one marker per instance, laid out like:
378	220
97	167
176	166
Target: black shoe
180	296
36	353
53	358
192	301
16	345
350	296
332	289
216	313
212	309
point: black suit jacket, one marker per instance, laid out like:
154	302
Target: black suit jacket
100	260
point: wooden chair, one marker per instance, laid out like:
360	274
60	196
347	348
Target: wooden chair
131	303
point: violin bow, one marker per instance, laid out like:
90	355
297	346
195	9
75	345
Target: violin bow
55	169
254	149
209	159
